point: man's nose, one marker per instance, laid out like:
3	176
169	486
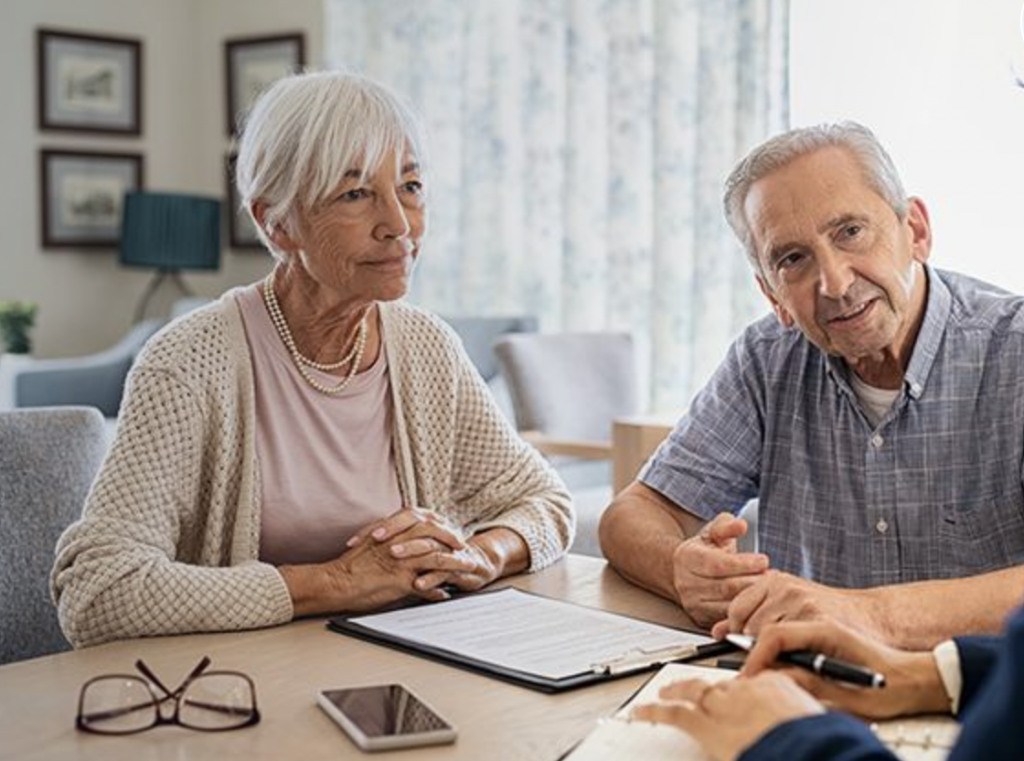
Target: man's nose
834	275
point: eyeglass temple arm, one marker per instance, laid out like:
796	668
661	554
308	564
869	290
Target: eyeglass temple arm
148	673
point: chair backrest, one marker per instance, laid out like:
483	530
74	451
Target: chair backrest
96	380
480	334
49	457
570	385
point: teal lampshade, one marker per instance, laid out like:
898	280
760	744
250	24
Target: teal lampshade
170	231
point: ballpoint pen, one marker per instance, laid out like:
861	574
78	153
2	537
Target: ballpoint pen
820	664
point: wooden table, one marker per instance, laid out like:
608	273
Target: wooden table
290	664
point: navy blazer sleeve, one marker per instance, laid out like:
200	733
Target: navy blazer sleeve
977	659
992	728
993	700
827	737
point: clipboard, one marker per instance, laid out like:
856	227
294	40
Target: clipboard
621	665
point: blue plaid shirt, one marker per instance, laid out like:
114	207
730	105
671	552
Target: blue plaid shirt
933	491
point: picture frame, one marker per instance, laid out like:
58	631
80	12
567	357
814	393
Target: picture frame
82	194
89	83
252	64
242	234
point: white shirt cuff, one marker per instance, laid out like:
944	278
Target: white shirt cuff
947	659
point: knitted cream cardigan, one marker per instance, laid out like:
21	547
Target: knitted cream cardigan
169	538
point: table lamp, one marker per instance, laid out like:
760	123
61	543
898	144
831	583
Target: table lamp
170	232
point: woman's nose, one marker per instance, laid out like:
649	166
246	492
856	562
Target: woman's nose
393	223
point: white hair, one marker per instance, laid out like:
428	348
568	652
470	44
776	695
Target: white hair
307	130
879	171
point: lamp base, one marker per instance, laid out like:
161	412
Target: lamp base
174	276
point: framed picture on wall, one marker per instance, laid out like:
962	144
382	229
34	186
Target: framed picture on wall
82	196
88	83
254	63
242	233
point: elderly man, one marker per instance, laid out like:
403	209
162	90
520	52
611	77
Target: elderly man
878	418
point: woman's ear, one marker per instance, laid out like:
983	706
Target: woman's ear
278	235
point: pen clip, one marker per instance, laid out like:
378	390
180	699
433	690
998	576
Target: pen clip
639	659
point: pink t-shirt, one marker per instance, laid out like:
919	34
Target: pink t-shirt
326	464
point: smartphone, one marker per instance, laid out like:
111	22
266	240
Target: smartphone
385	717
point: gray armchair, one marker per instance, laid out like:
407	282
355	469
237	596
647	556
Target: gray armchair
566	390
479	336
48	460
95	380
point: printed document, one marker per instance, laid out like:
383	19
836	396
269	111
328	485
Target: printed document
529	633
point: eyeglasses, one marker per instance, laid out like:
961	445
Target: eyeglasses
211	701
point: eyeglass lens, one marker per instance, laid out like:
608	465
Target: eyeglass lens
216	701
118	704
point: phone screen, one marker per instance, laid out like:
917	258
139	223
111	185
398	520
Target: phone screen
385	711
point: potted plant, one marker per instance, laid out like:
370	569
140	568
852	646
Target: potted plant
16	319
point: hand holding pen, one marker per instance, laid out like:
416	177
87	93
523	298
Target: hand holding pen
819	663
770	694
912	681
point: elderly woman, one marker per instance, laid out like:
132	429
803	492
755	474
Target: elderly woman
308	444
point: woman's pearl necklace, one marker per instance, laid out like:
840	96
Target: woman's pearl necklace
355	356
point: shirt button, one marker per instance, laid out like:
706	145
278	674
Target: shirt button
882	526
877	441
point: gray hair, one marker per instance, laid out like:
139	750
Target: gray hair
307	130
879	171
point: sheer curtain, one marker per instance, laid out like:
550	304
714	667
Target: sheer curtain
578	150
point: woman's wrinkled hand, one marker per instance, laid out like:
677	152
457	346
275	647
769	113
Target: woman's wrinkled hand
371	574
427	525
425	540
728	717
481	570
409	553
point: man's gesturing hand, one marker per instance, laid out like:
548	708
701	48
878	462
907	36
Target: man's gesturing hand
709	571
778	596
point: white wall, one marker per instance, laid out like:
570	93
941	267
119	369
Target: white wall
933	79
86	298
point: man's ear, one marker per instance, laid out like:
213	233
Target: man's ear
277	233
920	228
781	314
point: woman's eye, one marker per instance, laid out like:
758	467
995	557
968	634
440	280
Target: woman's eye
413	186
355	194
852	231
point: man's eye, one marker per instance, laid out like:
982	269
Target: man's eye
788	261
852	231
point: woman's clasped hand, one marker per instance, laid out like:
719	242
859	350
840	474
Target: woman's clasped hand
411	552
